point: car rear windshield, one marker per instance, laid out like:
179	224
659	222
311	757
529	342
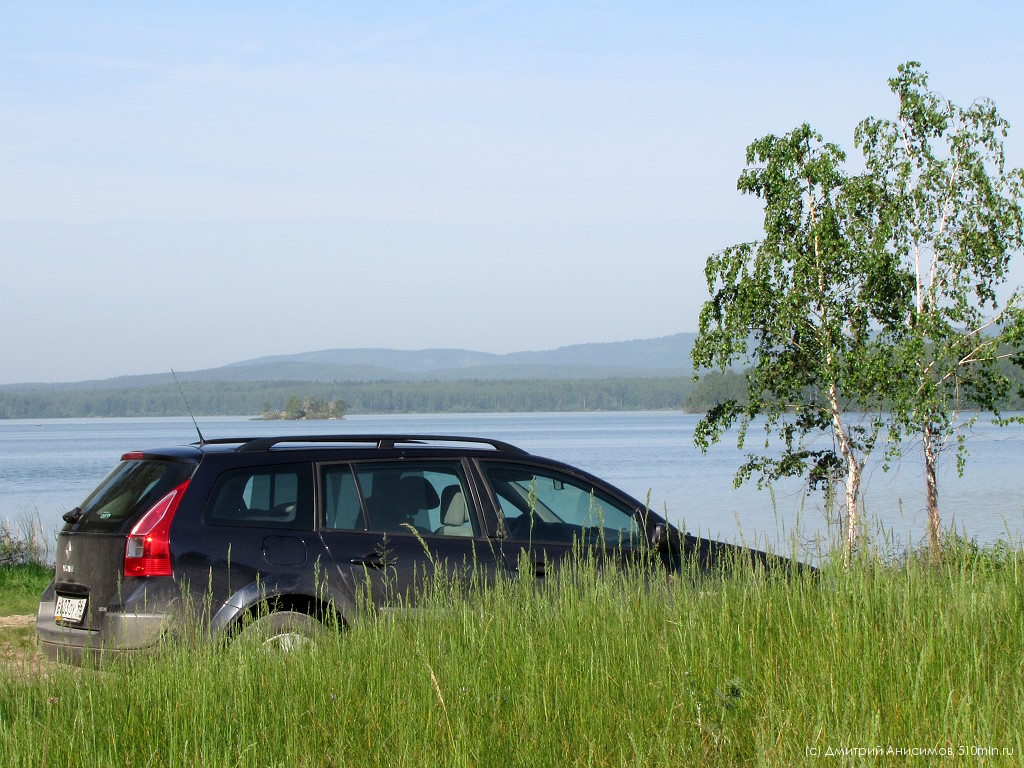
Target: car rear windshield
131	489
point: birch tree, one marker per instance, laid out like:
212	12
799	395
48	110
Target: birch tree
800	311
953	211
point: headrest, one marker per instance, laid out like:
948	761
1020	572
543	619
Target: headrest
455	510
417	493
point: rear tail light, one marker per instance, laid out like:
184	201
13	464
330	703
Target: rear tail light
148	551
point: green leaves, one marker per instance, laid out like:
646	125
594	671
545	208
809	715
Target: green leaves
798	305
956	223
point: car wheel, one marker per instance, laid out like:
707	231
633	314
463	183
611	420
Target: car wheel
283	630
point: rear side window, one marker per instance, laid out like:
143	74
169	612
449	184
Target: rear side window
342	508
264	497
129	491
428	498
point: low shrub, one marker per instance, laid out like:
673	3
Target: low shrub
26	543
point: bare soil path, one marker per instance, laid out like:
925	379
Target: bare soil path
18	649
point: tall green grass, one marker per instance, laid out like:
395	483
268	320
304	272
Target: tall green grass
592	667
21	587
24	569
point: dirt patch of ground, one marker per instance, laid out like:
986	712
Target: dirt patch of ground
19	651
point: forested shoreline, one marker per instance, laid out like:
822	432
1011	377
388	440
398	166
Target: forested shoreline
244	398
253	398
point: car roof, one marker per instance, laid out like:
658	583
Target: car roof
362	444
380	441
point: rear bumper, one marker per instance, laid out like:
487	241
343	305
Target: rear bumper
122	634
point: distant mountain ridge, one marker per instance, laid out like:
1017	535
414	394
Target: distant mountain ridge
660	354
664	356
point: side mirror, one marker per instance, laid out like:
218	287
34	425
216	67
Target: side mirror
659	538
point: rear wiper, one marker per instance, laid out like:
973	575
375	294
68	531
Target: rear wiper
72	516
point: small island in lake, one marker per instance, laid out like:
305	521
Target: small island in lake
310	409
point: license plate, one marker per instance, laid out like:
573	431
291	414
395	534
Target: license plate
69	609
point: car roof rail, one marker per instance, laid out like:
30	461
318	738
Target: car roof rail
253	444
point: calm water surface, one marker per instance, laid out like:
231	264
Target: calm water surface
49	466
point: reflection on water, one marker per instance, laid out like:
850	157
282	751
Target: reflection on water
47	467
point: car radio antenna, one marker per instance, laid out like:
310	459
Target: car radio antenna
202	440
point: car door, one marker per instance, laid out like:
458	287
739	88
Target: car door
391	526
547	513
256	539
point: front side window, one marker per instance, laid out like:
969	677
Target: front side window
429	498
272	497
545	505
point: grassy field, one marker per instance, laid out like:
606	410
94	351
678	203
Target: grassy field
21	586
22	575
884	665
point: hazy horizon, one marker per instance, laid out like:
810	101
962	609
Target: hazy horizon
315	352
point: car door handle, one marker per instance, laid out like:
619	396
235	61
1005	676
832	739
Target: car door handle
539	569
373	560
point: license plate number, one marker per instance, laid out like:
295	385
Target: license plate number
69	609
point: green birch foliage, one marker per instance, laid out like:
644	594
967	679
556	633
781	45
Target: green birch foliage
800	310
956	224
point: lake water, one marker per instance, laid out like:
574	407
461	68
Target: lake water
49	466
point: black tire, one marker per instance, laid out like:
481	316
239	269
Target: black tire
283	630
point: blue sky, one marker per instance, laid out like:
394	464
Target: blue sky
191	184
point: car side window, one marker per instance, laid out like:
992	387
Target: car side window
429	498
271	497
545	505
342	508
